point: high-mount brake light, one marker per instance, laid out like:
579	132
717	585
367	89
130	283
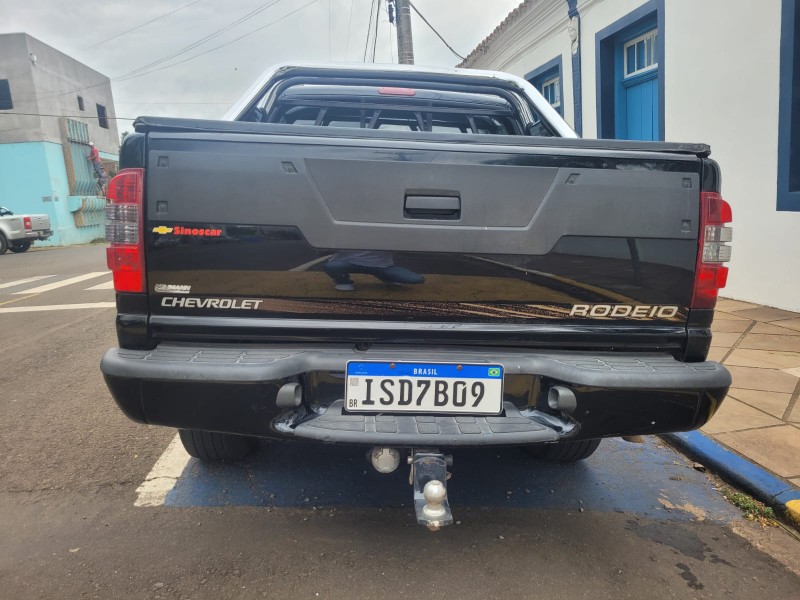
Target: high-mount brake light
396	91
711	274
124	232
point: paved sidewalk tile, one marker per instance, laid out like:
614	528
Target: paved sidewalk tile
776	448
726	304
771	359
724	316
717	354
724	340
735	416
731	326
774	328
774	403
760	419
764	313
755	341
794	416
768	380
790	323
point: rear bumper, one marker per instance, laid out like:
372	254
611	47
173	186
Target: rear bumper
41	234
233	389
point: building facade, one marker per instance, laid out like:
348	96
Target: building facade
51	107
719	72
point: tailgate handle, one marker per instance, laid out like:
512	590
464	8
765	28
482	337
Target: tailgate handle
432	207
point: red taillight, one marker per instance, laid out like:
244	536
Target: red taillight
26	222
124	234
396	91
711	274
127	187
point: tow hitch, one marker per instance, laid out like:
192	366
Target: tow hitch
428	476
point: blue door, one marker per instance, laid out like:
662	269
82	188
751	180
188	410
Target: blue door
637	101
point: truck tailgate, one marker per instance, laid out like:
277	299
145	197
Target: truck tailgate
40	222
266	224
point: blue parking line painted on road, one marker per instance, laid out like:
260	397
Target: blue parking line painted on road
646	479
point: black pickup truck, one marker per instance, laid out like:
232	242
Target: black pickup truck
414	261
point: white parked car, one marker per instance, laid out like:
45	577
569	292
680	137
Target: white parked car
18	232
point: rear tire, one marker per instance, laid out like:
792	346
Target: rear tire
564	452
213	446
22	246
3	244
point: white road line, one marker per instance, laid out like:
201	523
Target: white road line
9	284
311	263
51	307
108	285
163	476
64	282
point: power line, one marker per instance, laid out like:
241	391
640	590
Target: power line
329	29
168	102
203	39
416	10
119	35
131	74
83	116
180	62
129	77
349	23
369	28
377	21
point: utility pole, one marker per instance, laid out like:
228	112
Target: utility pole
405	43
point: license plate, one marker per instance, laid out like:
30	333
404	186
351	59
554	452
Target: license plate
424	388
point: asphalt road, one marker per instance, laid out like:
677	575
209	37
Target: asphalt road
634	521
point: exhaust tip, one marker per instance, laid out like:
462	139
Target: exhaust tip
289	396
561	398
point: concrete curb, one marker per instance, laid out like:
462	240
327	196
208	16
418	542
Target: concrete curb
757	481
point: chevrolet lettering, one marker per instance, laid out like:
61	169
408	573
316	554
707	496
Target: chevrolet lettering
227	303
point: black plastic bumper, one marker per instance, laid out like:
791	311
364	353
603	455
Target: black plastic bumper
233	389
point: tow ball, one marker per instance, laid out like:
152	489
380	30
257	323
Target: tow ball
428	477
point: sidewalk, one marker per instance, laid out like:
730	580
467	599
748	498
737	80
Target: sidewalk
760	419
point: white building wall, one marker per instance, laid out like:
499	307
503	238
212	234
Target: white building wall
557	44
721	68
538	36
595	16
722	85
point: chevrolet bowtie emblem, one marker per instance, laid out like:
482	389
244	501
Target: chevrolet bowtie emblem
162	229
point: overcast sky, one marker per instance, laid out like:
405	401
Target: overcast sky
206	86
